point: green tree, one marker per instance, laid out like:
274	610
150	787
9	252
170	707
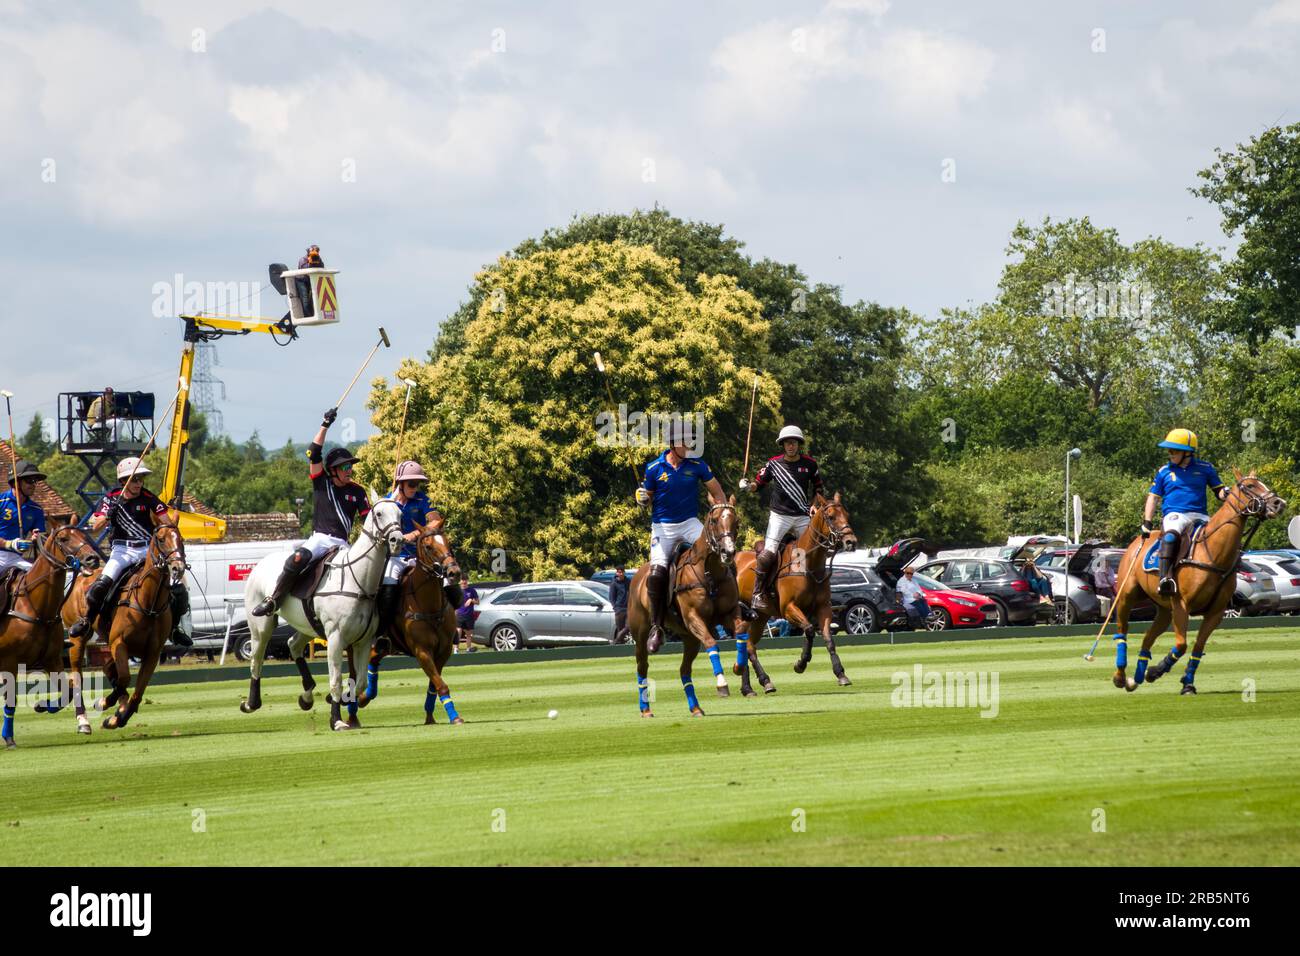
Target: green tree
1257	188
32	443
513	428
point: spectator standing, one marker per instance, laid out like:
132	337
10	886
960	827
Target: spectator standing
618	597
466	615
311	260
913	598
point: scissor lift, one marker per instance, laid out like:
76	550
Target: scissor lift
100	436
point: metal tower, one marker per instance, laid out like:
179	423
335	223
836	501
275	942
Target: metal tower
204	388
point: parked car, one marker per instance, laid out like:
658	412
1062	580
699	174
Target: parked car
1074	591
1256	593
861	603
1002	581
1285	568
1104	571
952	608
548	613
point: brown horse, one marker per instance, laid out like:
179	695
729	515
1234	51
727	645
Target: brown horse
703	597
803	588
31	633
1207	580
139	628
426	625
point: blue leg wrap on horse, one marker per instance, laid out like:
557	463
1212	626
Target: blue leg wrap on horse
1121	651
8	730
689	686
715	660
449	707
372	681
352	707
643	693
1194	663
742	652
53	705
1144	658
430	699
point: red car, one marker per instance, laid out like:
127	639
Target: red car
952	608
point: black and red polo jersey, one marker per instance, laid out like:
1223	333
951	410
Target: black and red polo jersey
794	483
334	508
133	518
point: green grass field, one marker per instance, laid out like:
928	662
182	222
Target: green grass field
1212	779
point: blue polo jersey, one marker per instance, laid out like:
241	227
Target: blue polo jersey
1182	489
417	508
33	516
674	492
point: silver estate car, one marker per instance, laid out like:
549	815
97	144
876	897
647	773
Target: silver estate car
1285	568
545	614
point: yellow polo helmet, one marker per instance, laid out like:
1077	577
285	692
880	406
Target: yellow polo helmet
1180	439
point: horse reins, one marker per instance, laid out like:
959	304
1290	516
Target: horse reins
1257	508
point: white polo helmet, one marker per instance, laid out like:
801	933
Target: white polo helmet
410	471
790	431
128	465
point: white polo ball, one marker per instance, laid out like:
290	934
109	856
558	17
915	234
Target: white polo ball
553	714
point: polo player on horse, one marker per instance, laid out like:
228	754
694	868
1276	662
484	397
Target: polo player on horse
20	519
131	512
671	491
337	501
1179	488
417	511
795	483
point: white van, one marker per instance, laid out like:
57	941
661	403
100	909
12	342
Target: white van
218	572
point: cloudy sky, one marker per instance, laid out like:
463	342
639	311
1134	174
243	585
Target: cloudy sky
416	141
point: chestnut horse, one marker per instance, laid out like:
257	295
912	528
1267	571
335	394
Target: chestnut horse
139	628
426	625
803	587
1207	580
31	633
704	595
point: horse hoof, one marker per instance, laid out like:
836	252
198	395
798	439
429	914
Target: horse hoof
1118	679
342	725
354	722
647	713
428	719
459	720
844	680
800	666
305	701
9	744
724	691
84	729
110	723
749	692
247	707
1131	685
769	688
697	712
1187	689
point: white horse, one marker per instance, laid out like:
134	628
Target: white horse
345	606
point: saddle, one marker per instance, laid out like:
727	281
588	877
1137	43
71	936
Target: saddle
113	600
1186	541
306	585
9	578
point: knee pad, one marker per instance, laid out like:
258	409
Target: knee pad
1170	538
298	560
99	590
658	572
180	600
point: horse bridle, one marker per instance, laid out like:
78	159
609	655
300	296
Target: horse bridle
437	568
717	540
1257	506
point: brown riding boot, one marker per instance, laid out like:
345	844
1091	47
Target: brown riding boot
763	600
656	589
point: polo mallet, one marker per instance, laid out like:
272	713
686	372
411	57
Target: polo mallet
383	340
1137	559
600	367
744	471
13	460
410	383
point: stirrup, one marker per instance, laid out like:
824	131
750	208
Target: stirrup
79	628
